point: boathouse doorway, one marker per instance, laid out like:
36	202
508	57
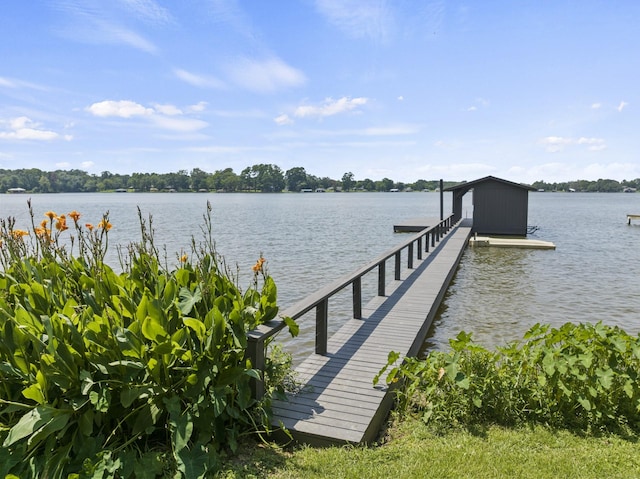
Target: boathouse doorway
500	207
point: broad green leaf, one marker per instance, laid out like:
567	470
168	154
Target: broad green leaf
129	395
189	299
101	399
628	388
605	377
28	321
182	427
29	423
194	463
294	328
153	329
462	381
34	392
229	376
197	326
585	403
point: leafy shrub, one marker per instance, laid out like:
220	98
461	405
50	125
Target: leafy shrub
579	376
137	374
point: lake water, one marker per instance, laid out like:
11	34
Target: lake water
309	240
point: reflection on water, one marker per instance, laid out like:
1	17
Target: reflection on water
497	294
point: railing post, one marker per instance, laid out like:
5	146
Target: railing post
433	238
426	242
397	275
322	320
381	278
357	298
420	247
255	351
410	256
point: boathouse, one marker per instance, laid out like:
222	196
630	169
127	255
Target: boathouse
500	207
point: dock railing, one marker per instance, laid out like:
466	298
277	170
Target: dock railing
258	337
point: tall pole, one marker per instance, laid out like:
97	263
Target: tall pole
441	200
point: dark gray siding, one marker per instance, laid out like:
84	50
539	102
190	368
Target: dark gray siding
499	209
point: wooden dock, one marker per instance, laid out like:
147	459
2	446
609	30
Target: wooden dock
632	217
337	402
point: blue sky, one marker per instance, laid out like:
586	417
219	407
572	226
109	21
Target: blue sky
404	89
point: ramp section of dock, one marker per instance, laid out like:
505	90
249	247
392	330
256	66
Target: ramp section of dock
336	401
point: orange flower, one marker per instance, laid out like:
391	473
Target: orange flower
75	216
184	258
44	223
50	215
89	226
258	266
19	233
61	224
105	225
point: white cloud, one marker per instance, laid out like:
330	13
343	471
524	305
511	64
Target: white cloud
200	106
148	10
168	117
596	106
23	128
169	110
330	107
103	22
201	81
15	84
265	76
554	144
87	164
178	124
391	130
622	105
479	103
594	144
400	98
121	108
283	119
358	18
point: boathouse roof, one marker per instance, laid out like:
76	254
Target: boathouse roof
467	185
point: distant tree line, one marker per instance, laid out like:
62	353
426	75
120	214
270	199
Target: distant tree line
265	178
598	186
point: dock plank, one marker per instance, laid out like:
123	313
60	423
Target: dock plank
336	401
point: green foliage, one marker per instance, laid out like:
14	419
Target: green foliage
580	376
137	374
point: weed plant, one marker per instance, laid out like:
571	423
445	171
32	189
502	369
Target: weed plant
580	377
142	373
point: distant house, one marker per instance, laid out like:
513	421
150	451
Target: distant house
16	190
500	207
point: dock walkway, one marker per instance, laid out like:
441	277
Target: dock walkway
337	402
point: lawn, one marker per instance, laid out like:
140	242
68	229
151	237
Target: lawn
411	450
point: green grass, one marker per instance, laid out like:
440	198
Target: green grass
411	450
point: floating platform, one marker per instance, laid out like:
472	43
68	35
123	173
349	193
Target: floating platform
415	225
632	217
510	242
